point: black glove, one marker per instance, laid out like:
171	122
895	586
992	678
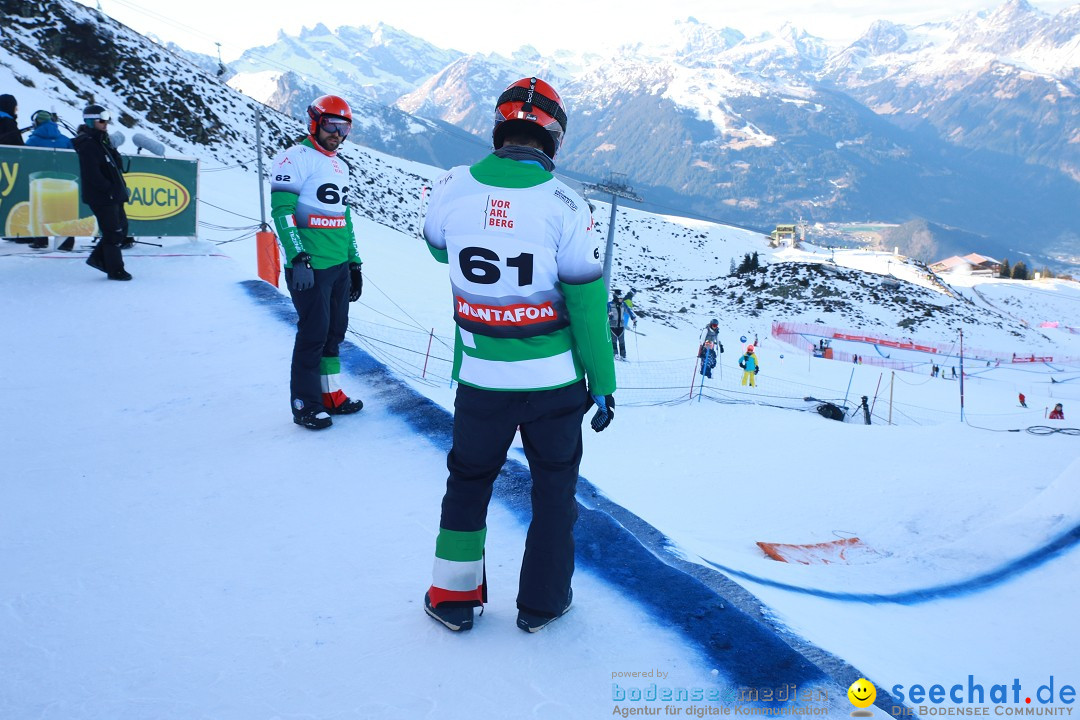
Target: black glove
757	370
605	411
303	277
356	282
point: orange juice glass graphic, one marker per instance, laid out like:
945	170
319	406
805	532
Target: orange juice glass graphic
54	197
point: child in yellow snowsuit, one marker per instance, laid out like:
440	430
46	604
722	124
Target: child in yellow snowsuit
749	364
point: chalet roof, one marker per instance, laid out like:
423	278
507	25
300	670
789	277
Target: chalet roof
978	259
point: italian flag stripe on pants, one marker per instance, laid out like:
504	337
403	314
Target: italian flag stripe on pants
332	394
458	575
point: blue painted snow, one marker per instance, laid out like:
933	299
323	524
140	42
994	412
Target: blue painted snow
1008	571
743	649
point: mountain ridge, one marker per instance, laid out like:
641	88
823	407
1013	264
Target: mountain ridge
736	108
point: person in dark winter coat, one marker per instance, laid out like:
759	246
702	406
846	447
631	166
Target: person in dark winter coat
9	124
46	134
710	348
620	311
104	190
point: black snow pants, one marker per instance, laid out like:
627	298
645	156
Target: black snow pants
485	422
113	225
323	312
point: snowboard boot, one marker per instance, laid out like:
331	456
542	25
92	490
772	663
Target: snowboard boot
348	407
313	419
95	262
452	615
532	621
119	275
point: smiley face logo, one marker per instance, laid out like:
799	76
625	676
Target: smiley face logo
862	694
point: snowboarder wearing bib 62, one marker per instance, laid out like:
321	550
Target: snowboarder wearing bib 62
530	309
308	185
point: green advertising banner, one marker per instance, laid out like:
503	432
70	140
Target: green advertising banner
39	195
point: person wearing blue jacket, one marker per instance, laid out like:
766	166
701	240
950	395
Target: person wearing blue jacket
749	363
46	133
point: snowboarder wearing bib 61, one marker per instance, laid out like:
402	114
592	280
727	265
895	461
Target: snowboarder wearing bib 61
530	309
308	185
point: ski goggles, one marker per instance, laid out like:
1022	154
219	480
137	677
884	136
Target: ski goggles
335	125
103	116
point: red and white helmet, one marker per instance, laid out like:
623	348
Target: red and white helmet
330	105
531	103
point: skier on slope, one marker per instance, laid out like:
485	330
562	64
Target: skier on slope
710	347
749	363
620	310
529	296
308	186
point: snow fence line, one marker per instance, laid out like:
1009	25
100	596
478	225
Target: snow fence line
725	621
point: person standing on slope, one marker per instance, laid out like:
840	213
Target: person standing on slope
103	189
710	348
620	311
528	294
749	363
10	134
308	187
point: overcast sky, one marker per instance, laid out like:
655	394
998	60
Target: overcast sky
471	25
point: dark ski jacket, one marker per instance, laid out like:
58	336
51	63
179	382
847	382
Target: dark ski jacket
48	135
9	130
100	167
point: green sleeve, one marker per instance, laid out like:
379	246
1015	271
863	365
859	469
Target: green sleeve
587	307
283	212
354	255
439	254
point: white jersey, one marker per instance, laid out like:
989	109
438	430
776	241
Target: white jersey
307	196
509	249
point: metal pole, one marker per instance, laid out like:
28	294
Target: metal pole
259	158
961	374
610	243
881	375
849	386
892	377
427	354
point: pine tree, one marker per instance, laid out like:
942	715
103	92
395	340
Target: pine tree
1019	271
1006	270
733	268
754	263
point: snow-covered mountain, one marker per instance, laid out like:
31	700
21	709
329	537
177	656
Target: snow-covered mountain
382	63
769	128
1004	80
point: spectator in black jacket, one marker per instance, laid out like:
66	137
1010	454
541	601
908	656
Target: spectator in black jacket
9	132
104	190
9	125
